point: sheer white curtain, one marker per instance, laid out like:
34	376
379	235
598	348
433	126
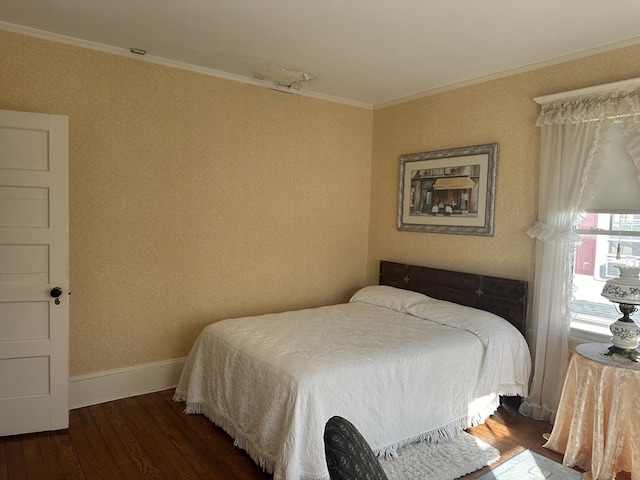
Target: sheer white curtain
572	148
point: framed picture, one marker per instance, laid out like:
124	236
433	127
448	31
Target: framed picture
449	191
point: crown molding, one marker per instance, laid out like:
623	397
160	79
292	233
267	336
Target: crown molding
515	71
124	52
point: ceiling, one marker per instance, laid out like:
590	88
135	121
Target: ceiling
370	53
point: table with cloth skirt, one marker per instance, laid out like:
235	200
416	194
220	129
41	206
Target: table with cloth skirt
597	426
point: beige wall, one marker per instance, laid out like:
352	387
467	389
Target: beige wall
500	111
193	198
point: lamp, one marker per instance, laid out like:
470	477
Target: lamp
625	290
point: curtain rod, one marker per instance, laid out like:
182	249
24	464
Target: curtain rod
607	88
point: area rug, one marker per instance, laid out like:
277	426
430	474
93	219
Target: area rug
528	465
440	461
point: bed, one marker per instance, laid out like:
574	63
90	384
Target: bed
422	355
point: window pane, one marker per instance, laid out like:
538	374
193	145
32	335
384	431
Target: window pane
595	262
625	222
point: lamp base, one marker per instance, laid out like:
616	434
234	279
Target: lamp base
626	334
631	353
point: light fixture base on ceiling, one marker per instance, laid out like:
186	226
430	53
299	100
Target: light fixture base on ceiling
285	78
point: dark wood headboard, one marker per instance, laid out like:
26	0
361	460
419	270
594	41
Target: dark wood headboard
504	297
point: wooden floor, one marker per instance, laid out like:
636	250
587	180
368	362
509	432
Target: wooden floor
148	437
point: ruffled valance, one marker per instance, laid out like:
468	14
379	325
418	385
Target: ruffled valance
632	138
596	158
600	149
605	109
618	105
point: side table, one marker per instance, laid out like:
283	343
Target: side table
597	426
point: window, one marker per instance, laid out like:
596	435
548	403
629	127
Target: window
608	239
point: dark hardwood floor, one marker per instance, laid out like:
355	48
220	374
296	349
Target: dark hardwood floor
148	437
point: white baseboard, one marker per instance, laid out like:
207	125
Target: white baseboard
94	388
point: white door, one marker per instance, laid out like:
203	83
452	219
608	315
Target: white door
34	246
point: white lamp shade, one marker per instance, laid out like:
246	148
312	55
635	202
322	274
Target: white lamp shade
624	288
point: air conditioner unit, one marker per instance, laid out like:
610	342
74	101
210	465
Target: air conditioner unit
612	271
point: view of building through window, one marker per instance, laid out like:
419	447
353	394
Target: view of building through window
607	240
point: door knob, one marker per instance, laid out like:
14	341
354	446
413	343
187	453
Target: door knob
55	293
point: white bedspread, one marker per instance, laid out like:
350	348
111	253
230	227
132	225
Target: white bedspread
398	365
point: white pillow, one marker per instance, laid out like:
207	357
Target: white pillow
389	297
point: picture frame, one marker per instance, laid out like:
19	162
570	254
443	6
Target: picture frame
449	191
